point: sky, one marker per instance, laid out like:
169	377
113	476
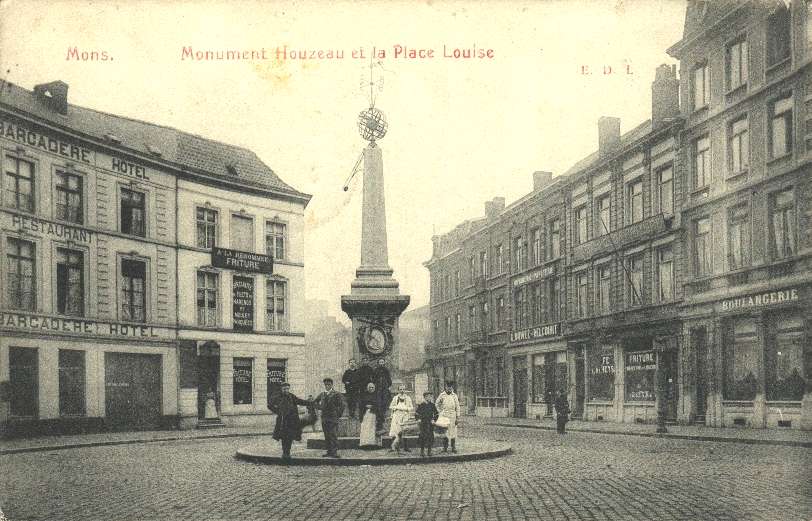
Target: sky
461	131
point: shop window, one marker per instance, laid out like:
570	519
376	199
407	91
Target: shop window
739	146
241	234
275	238
602	373
23	381
736	64
561	379
243	381
782	224
783	358
71	382
277	375
780	135
19	192
133	290
741	352
133	212
738	231
70	287
276	315
21	274
640	374
208	284
69	205
779	37
206	220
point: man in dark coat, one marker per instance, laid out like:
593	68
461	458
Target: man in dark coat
288	427
352	391
331	404
383	381
562	411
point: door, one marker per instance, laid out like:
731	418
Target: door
580	383
23	381
701	350
520	387
208	370
132	390
670	384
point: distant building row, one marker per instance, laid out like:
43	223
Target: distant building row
674	264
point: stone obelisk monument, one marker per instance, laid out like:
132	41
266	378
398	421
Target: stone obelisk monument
374	303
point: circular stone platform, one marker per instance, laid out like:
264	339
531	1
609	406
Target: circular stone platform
270	453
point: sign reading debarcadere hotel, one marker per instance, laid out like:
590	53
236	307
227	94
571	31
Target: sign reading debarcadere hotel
48	324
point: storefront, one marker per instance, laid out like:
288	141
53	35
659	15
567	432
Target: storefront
752	357
540	369
68	375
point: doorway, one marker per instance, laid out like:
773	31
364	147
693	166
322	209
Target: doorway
519	386
580	383
208	370
132	390
670	389
698	339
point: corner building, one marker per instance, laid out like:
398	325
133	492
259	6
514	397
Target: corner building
91	263
746	78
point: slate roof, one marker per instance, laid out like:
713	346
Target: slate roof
186	150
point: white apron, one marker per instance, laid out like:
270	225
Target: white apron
448	406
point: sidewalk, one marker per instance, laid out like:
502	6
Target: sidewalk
785	437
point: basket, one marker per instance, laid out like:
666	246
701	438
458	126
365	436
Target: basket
410	427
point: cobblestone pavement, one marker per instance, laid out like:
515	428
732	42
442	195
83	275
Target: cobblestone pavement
578	476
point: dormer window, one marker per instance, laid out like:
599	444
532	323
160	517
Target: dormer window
231	169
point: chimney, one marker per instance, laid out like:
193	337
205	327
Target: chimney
493	207
608	135
664	95
541	179
54	95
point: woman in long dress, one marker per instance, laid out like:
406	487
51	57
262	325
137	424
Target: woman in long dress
369	414
401	408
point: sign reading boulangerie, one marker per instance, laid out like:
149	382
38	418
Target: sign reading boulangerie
241	260
243	303
760	299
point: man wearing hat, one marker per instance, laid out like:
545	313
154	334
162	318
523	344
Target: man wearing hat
288	426
332	407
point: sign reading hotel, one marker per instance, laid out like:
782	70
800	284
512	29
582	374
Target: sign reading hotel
533	276
62	231
243	303
79	326
241	260
535	332
760	299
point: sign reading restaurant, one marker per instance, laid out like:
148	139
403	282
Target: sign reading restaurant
43	324
63	231
533	276
535	332
241	260
760	299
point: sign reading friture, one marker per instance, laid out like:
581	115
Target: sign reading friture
760	299
243	301
241	260
535	332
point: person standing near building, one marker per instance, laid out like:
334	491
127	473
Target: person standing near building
288	426
401	408
332	407
383	381
352	390
448	405
363	377
427	414
562	411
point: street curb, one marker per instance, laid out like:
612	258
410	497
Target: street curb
357	462
84	445
748	441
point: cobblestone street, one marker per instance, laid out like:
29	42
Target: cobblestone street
579	476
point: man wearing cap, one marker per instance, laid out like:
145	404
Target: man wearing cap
332	407
288	426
